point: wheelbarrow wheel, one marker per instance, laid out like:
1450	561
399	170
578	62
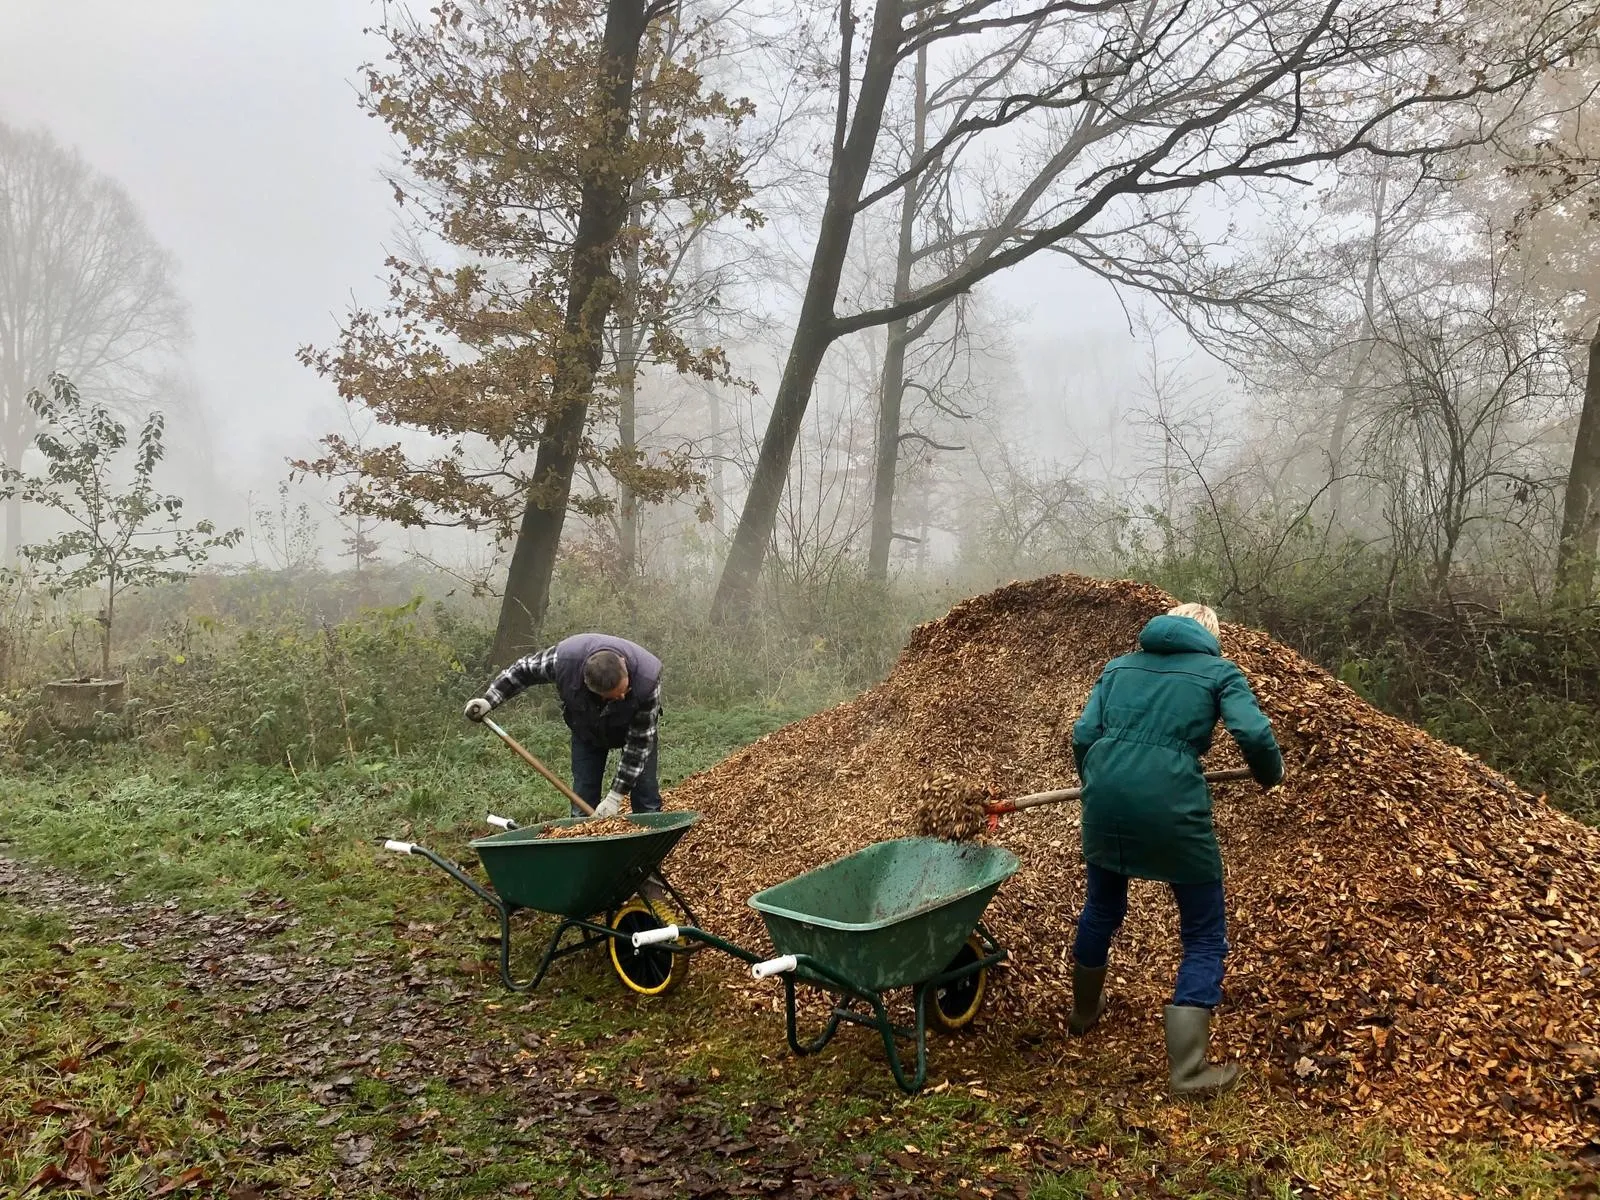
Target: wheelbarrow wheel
956	1002
650	971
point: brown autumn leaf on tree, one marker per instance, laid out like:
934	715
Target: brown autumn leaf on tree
520	176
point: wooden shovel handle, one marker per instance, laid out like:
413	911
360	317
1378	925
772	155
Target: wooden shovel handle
1035	799
556	781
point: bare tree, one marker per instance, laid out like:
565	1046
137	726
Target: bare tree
1550	177
85	291
1383	233
1160	99
1467	389
671	282
1580	515
1029	513
891	390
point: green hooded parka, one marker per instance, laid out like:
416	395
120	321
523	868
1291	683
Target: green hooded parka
1138	745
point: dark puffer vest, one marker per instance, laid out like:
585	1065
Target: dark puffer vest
591	719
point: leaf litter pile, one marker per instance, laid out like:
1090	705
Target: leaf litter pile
1412	935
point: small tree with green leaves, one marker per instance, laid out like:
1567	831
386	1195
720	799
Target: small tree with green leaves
115	541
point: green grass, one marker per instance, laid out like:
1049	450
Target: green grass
91	1043
159	825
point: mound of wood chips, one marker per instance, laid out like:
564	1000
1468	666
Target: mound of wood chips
1412	935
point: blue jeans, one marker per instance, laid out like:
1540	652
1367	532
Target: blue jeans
1202	924
589	771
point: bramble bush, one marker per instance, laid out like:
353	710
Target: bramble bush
299	695
270	667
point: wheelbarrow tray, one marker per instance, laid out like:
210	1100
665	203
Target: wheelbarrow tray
578	876
892	915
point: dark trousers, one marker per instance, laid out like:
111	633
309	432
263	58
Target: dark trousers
589	777
1202	924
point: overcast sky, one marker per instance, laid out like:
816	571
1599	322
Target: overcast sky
234	127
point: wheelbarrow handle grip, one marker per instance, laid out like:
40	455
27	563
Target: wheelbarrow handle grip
399	847
650	937
500	822
775	966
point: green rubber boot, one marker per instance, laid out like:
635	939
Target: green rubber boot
1188	1034
1088	998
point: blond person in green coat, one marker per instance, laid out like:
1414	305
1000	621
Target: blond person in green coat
1147	815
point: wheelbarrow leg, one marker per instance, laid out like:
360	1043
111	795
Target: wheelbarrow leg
552	951
891	1046
792	1026
849	992
505	956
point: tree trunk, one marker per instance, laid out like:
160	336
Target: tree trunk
1357	376
1348	395
892	391
628	341
710	390
887	461
1580	515
816	329
105	632
718	481
13	444
591	293
13	531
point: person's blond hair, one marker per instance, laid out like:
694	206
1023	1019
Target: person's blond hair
1199	612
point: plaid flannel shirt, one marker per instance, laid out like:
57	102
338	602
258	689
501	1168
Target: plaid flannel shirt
641	739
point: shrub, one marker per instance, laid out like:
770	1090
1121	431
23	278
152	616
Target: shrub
304	696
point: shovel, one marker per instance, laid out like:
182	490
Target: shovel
995	809
527	757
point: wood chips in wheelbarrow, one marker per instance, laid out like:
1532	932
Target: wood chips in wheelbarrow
591	828
1413	936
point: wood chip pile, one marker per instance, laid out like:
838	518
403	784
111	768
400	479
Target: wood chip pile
1412	934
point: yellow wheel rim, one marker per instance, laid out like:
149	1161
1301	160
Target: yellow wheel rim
952	1006
647	972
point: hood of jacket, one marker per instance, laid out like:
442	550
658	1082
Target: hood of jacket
1167	634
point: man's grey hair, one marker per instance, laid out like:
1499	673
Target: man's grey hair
603	670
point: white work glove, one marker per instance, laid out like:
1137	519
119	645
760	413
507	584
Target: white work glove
609	807
477	709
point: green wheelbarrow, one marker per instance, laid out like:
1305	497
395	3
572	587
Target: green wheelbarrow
898	914
594	884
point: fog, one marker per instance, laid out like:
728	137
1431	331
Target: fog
235	129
